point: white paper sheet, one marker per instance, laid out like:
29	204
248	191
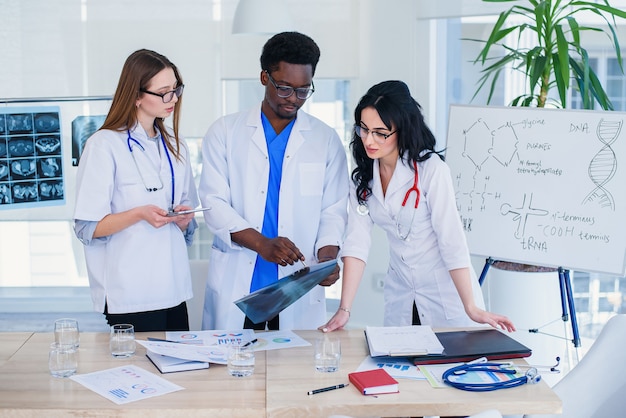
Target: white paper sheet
402	341
272	340
126	384
268	340
397	367
212	337
206	353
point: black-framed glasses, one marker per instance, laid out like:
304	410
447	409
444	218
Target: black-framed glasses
168	95
362	132
302	93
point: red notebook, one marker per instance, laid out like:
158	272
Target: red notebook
374	382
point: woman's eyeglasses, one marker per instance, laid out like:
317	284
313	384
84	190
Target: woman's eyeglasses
168	95
283	92
362	132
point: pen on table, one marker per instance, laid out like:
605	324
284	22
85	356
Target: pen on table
250	342
313	392
163	341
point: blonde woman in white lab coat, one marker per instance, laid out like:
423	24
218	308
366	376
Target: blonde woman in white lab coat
132	172
402	185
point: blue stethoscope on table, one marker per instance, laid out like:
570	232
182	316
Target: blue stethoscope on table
454	376
404	220
152	188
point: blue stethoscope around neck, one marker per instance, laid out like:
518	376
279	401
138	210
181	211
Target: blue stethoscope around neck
130	139
403	226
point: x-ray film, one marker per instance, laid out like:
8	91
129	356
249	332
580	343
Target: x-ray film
265	303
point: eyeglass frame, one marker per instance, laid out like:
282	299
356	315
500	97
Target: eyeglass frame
375	134
162	95
309	90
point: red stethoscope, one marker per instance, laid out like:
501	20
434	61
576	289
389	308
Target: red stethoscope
404	220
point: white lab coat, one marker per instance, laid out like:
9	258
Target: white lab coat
140	268
312	208
419	267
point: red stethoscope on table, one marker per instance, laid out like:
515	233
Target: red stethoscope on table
404	220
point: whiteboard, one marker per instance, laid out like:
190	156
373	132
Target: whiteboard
541	186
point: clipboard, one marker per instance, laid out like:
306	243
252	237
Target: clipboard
267	302
402	341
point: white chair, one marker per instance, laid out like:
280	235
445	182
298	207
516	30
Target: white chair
490	413
596	386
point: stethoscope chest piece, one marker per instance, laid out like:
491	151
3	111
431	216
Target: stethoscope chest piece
362	209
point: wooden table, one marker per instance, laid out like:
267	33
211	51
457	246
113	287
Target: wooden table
277	388
291	374
27	388
10	342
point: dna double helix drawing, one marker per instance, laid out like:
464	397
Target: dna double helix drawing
603	165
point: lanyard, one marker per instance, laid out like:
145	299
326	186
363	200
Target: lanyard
153	188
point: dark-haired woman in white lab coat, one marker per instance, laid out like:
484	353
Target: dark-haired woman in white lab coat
402	185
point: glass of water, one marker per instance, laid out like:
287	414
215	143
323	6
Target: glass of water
62	360
240	360
327	354
66	332
122	340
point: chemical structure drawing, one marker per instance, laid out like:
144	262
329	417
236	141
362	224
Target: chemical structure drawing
521	214
603	165
482	146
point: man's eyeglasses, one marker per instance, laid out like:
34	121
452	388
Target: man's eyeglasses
302	93
168	95
362	132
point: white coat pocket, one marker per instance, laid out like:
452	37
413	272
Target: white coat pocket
311	179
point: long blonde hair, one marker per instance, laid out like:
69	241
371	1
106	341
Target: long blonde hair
137	72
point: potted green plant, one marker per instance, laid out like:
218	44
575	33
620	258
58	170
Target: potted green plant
556	60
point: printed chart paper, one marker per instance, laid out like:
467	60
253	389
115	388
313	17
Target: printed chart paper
204	353
126	384
397	367
212	337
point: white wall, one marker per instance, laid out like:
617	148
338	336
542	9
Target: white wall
77	47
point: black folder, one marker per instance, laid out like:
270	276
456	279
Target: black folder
464	346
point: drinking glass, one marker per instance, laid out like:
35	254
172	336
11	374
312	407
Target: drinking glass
62	360
240	360
66	332
122	340
327	354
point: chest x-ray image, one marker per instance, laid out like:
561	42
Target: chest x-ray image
82	128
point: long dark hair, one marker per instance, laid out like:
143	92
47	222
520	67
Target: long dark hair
395	106
137	72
